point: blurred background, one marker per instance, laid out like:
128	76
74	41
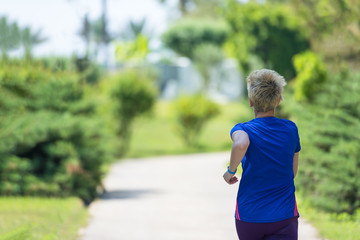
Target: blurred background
86	83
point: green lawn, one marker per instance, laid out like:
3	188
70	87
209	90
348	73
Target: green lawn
330	226
156	134
26	218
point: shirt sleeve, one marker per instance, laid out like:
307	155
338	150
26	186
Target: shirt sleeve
298	146
237	127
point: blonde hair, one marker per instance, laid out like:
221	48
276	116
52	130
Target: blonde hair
265	89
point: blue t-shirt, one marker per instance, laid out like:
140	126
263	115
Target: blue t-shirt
267	191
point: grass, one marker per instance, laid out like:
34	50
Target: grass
330	226
157	135
28	218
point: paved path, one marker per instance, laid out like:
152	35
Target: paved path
169	198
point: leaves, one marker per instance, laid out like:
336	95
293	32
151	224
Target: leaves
272	32
187	34
50	140
192	113
133	51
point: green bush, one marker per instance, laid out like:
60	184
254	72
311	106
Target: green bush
51	143
330	156
133	94
185	35
192	113
311	75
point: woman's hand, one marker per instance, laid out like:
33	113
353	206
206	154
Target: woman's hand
230	178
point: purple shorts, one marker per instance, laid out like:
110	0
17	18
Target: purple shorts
285	229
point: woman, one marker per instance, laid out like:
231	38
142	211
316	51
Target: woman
268	149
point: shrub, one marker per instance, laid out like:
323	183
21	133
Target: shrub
330	156
50	140
185	35
192	112
133	94
311	75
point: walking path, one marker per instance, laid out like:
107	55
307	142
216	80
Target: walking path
169	198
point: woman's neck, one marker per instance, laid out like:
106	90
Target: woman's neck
265	114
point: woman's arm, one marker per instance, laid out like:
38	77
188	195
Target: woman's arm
295	163
239	147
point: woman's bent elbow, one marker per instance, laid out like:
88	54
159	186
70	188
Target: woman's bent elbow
240	145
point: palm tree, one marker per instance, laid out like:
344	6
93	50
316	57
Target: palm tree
85	33
9	37
183	5
133	29
29	40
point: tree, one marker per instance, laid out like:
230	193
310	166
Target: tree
96	31
206	58
133	94
186	34
198	8
134	29
182	4
334	29
30	40
9	36
270	31
85	33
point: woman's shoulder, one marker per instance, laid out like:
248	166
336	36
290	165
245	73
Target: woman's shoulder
290	124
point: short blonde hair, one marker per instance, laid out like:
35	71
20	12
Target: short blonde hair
265	89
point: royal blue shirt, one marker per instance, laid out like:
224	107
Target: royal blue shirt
267	191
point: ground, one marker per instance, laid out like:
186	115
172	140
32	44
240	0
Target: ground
169	198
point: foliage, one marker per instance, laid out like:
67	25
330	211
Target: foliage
133	94
311	75
29	40
94	33
214	136
192	113
334	28
206	58
12	37
88	70
9	36
270	31
198	8
330	156
331	226
133	51
187	34
50	138
41	218
99	31
182	4
134	29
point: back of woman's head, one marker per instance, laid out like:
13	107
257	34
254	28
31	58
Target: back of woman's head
265	89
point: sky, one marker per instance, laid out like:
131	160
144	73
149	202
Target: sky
60	20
